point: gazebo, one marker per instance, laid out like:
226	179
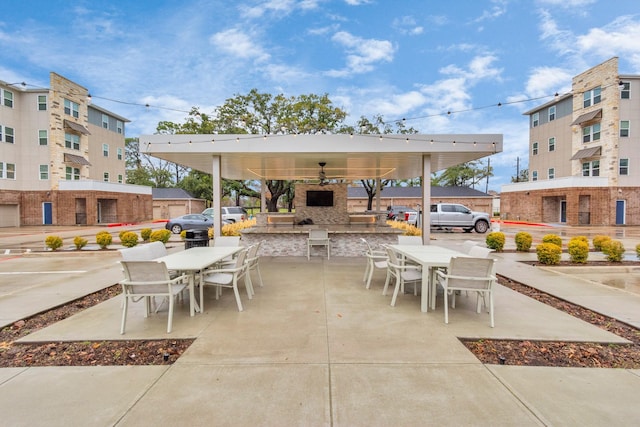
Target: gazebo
298	157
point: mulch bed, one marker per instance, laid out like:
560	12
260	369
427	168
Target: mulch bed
166	352
82	353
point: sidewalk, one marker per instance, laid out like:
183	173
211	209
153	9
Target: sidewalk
314	347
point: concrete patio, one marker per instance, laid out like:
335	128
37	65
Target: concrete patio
314	347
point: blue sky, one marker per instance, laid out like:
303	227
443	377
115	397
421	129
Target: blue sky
413	59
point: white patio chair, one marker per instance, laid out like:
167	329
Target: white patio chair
145	280
402	273
318	237
467	245
158	249
227	241
468	274
253	262
479	252
375	259
227	277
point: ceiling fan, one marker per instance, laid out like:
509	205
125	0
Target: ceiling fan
322	176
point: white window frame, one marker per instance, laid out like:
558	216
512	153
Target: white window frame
534	149
591	168
7	98
120	178
105	121
625	126
105	177
72	174
9	135
592	97
625	93
42	138
42	103
119	126
623	167
70	141
535	120
591	133
44	172
552	144
71	108
552	113
551	173
10	171
119	153
105	150
534	175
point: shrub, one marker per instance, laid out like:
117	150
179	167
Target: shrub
104	239
549	253
183	234
581	238
578	250
145	234
129	239
53	242
523	241
638	250
495	240
162	235
599	241
614	250
210	233
552	238
121	233
80	242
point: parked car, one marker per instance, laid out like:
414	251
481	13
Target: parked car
209	213
397	213
449	215
229	213
189	222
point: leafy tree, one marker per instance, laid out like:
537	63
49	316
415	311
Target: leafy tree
523	176
468	174
142	169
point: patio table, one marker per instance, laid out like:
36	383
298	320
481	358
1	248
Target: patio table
193	261
428	257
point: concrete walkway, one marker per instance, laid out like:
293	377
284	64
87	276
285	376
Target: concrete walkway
314	347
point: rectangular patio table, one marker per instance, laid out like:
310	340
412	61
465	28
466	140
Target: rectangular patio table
428	257
193	261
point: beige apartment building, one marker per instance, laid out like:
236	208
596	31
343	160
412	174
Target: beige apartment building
584	161
62	159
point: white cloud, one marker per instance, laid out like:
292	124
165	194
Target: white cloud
356	2
479	68
547	81
499	9
238	44
617	38
362	54
277	8
568	3
407	25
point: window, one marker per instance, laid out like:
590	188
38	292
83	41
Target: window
43	137
534	176
105	150
105	177
625	92
72	173
119	151
624	128
551	173
7	99
105	121
591	133
44	172
534	149
119	178
42	102
552	113
8	135
71	108
591	168
624	167
119	127
591	97
552	144
8	170
535	119
72	141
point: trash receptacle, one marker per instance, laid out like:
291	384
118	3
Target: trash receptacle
196	238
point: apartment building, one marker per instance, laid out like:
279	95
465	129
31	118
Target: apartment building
584	161
62	159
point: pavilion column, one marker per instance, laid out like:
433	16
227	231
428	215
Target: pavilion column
216	178
426	199
263	195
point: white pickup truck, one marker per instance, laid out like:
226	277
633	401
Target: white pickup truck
450	215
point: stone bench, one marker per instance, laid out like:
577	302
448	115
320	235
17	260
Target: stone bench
281	219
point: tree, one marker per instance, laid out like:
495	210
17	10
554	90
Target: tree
468	174
142	169
261	113
523	176
376	126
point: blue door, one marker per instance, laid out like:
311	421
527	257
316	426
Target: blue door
47	213
620	205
